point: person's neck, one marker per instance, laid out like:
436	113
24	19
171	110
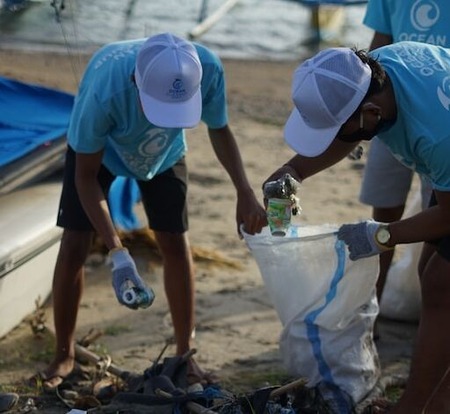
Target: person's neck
390	106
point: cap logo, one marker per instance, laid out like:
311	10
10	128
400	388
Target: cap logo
177	84
178	91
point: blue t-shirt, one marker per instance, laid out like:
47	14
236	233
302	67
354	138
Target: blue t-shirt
420	137
107	113
425	21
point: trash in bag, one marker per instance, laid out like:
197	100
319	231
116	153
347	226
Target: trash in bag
284	188
327	305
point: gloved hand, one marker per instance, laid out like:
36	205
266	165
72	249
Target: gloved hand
123	270
360	239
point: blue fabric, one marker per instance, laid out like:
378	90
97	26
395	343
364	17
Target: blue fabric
420	137
410	20
123	196
30	116
107	113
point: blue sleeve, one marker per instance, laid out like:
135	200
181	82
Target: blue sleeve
378	16
214	97
101	105
89	124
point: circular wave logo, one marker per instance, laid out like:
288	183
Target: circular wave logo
177	84
443	93
424	14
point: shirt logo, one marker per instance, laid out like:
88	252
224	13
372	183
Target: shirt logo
424	14
443	93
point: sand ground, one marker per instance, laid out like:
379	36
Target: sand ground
237	327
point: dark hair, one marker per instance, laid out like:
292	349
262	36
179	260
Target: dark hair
378	81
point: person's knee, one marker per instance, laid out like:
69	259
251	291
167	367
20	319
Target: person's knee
75	245
435	282
173	245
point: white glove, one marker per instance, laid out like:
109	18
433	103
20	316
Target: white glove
123	271
360	239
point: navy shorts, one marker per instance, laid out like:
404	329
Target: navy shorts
442	244
163	198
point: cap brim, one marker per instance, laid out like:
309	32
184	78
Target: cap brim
305	140
185	114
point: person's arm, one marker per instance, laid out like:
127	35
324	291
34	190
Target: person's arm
92	198
431	223
300	167
96	207
248	210
379	40
363	241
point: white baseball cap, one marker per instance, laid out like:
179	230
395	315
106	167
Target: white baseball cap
326	90
168	74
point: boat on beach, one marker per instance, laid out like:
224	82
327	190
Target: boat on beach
30	241
33	125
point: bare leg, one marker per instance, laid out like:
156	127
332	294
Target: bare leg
179	285
179	280
432	351
68	282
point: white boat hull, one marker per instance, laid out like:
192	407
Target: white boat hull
28	250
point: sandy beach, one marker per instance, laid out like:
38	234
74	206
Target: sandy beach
237	328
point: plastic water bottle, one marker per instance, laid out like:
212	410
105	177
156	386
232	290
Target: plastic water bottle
136	297
282	203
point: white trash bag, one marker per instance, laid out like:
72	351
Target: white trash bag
327	305
402	299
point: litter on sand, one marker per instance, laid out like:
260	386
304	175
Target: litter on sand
163	388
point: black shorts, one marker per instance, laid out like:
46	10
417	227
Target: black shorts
442	244
163	198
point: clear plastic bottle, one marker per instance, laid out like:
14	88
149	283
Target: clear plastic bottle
136	297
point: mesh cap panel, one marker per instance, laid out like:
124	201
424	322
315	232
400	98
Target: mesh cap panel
333	93
146	56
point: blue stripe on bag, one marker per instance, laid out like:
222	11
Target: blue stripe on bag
313	330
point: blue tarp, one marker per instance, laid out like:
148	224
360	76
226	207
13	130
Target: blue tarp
30	116
335	2
33	116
